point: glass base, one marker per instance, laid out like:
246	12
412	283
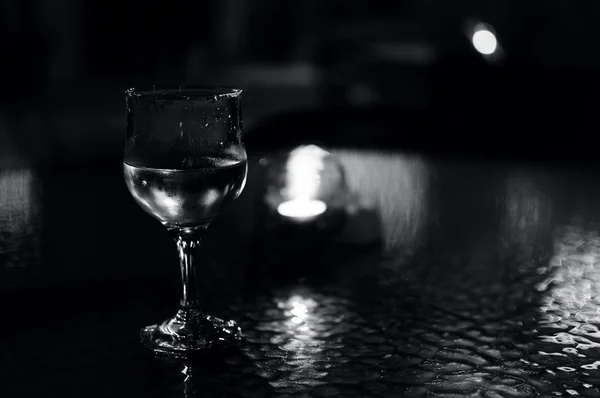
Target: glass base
190	331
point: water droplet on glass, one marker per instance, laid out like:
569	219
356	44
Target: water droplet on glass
208	126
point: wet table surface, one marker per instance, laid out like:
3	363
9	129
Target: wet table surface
448	279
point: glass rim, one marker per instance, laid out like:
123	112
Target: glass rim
185	92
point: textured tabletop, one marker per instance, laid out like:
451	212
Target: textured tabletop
460	279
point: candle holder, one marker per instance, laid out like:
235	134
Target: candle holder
306	189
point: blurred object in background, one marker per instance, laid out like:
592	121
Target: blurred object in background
305	198
67	62
395	187
64	41
304	183
20	221
484	40
376	53
42	43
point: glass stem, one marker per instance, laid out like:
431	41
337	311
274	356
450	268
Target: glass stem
188	241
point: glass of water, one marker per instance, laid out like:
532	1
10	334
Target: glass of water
184	162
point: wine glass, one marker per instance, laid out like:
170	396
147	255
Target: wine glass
184	162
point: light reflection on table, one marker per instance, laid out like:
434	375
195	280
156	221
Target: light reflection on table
19	216
395	186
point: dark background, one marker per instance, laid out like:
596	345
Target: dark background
452	277
65	64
